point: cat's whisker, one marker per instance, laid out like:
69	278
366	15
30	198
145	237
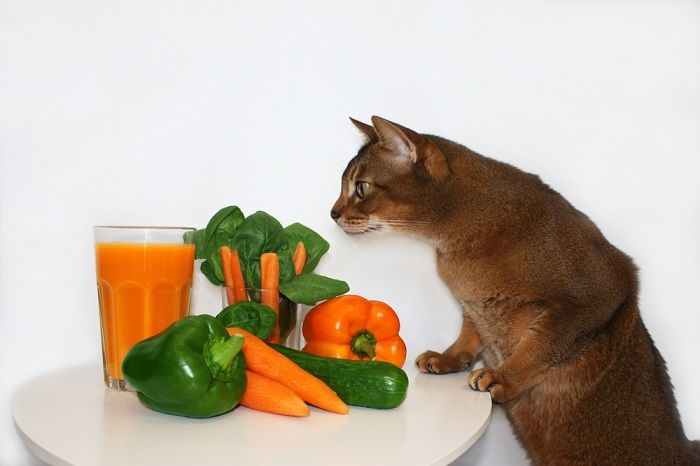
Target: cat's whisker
401	223
403	220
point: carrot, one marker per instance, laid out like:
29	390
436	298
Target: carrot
264	394
264	360
237	277
299	258
269	284
225	252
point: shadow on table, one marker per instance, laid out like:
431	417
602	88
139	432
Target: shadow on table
497	446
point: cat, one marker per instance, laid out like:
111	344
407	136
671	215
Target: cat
547	301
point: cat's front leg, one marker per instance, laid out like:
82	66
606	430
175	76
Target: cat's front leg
551	339
458	357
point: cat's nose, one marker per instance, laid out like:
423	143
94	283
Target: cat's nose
335	215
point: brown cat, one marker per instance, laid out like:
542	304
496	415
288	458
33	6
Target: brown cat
547	301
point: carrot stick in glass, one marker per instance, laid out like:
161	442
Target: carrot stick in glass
269	284
225	252
237	277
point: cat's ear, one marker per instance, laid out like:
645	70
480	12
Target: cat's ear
409	146
367	130
395	138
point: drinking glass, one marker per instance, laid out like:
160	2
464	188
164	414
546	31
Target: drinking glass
287	318
144	282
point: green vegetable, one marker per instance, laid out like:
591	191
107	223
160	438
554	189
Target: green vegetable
197	238
192	368
314	244
259	233
256	318
311	288
208	272
372	384
219	230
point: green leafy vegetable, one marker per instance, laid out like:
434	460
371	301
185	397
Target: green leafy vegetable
259	233
197	238
256	318
208	272
310	288
314	243
220	229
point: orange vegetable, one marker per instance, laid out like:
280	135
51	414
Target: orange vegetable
262	359
264	394
269	285
299	258
237	277
351	327
233	277
225	252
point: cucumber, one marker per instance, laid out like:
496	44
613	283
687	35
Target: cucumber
373	384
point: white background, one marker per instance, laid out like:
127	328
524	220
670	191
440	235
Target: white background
161	112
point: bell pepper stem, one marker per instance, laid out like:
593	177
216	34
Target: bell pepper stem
220	354
363	345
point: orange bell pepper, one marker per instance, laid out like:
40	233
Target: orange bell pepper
352	327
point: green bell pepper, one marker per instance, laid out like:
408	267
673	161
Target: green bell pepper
192	368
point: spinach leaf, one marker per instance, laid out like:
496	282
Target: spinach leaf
255	318
209	273
314	243
286	265
259	233
219	232
223	225
197	238
310	288
251	268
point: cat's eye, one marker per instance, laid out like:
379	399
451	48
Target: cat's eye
361	189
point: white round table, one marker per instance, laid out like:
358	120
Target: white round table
69	417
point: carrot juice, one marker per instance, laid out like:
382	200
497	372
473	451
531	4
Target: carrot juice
143	287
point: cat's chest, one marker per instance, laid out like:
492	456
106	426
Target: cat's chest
489	303
470	280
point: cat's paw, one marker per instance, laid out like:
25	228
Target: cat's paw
443	363
492	381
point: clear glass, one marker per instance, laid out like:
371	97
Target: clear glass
299	339
288	317
144	284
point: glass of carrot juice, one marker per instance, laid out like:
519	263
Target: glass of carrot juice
144	281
